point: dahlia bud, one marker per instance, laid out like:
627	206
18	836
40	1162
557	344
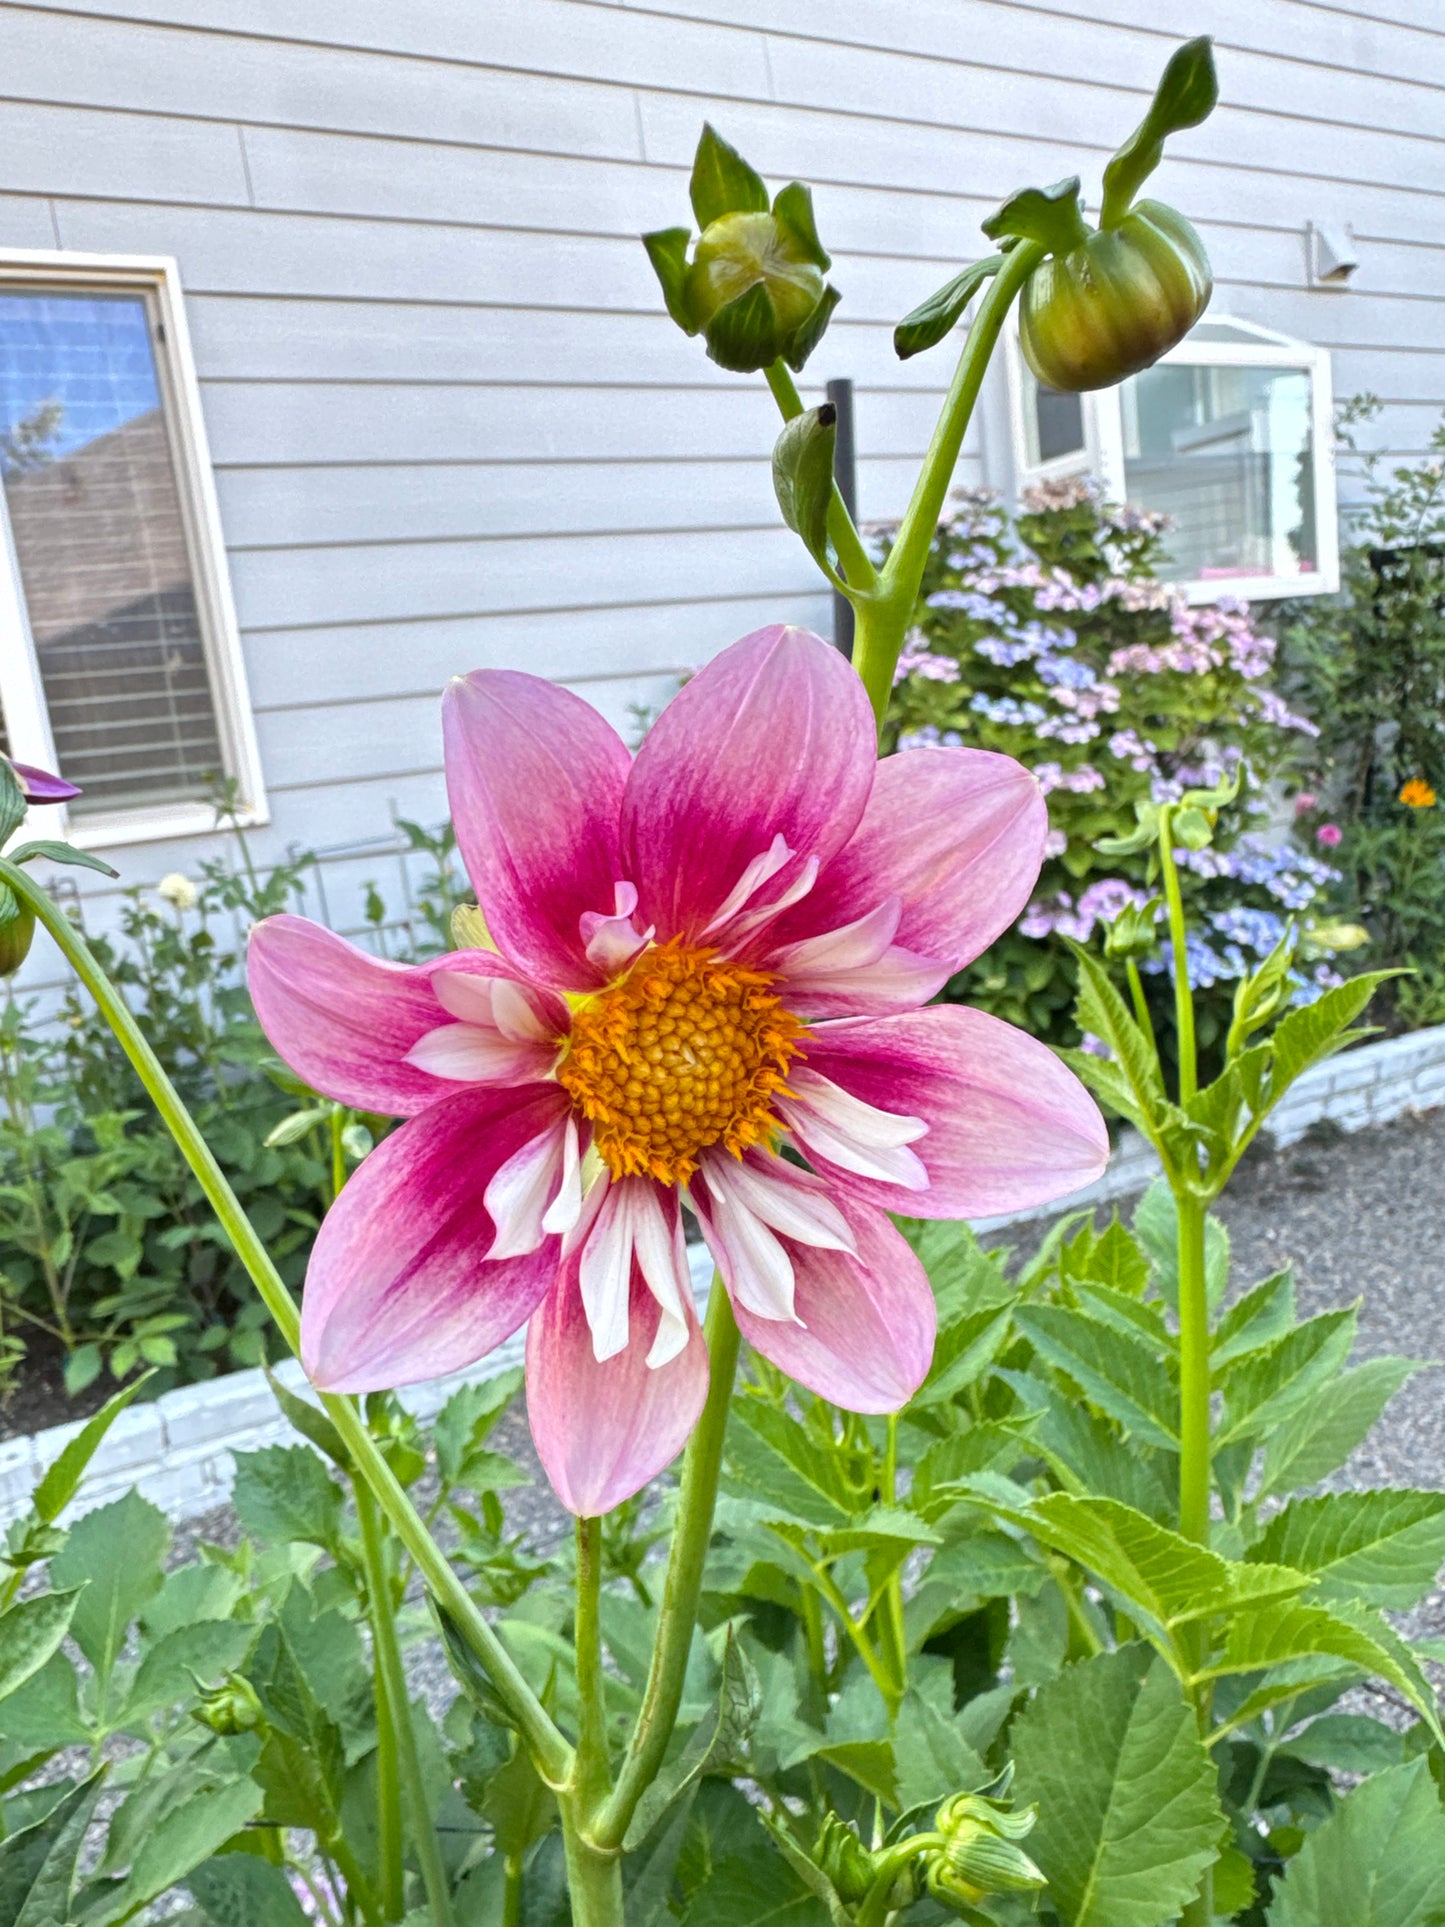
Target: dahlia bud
754	289
230	1708
844	1858
1111	300
1133	934
17	930
981	1855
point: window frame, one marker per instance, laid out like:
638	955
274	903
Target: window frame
1103	451
157	280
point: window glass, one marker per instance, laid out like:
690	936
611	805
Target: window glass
1228	453
95	513
1054	420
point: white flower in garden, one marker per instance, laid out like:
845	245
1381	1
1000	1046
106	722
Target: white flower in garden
178	890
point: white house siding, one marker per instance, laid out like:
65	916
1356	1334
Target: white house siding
450	422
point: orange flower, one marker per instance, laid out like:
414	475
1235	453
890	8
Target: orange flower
1417	794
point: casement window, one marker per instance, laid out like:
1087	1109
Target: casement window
120	664
1230	434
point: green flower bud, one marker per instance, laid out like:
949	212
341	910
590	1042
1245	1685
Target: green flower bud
981	1856
754	289
1133	934
844	1858
17	930
1115	303
231	1708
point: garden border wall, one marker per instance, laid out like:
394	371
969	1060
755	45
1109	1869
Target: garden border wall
178	1449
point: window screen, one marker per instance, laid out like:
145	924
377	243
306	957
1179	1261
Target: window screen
1228	452
95	513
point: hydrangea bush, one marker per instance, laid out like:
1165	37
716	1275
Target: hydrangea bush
1052	638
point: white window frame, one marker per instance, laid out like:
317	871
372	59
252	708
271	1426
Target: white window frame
1103	451
21	690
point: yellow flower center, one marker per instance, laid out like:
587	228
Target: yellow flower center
686	1051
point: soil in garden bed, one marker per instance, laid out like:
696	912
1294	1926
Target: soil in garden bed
39	1397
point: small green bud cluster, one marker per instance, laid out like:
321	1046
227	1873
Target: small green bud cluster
754	288
229	1708
1134	934
982	1855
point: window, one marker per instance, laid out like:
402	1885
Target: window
1229	434
120	665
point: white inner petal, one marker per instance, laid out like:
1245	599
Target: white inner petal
852	1134
754	1260
748	924
565	1209
611	942
472	1055
605	1275
518	1195
761	870
783	1198
853	947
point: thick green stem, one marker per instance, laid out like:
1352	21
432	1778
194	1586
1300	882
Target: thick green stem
548	1745
1183	995
856	562
903	570
677	1616
396	1750
389	1853
594	1875
895	1640
1194	1453
879	629
592	1777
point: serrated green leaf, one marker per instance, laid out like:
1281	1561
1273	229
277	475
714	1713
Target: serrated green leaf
1377	1861
1311	1032
720	1740
931	1757
1120	1375
1156	1226
62	1479
115	1553
1383	1546
30	1631
927	324
206	1651
519	1804
1186	95
284	1492
465	1423
777	1464
302	1766
1346	1743
759	1890
722	181
1128	1819
241	1890
803	476
1324	1432
1267	1387
45	1711
178	1844
37	1863
1089	1457
1258	1319
1287	1630
987	1564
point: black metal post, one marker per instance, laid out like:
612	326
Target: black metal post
845	469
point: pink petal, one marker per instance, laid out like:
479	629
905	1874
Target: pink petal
752	1211
865	1323
638	1220
841	1129
956	834
39	786
774	738
603	1429
857	970
464	1053
535	777
1009	1126
399	1287
348	1022
612	942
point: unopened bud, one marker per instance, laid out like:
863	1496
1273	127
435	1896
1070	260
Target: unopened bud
844	1858
1133	933
17	931
228	1709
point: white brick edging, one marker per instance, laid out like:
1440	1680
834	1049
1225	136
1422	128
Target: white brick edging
178	1449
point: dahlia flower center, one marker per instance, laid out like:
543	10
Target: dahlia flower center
685	1052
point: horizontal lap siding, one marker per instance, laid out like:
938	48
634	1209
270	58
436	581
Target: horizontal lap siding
450	424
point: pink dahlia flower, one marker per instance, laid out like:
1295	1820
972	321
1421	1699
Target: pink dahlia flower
706	986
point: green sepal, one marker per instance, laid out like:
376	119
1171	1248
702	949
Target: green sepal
793	207
742	335
667	251
61	1481
310	1421
939	315
1051	216
722	182
1186	95
803	476
13	803
806	338
61	853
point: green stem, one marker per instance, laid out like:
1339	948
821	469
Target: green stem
677	1617
338	1151
389	1855
358	1888
875	1909
1141	1004
903	570
857	564
1194	1445
393	1710
592	1778
1183	995
512	1892
548	1745
594	1875
895	1639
